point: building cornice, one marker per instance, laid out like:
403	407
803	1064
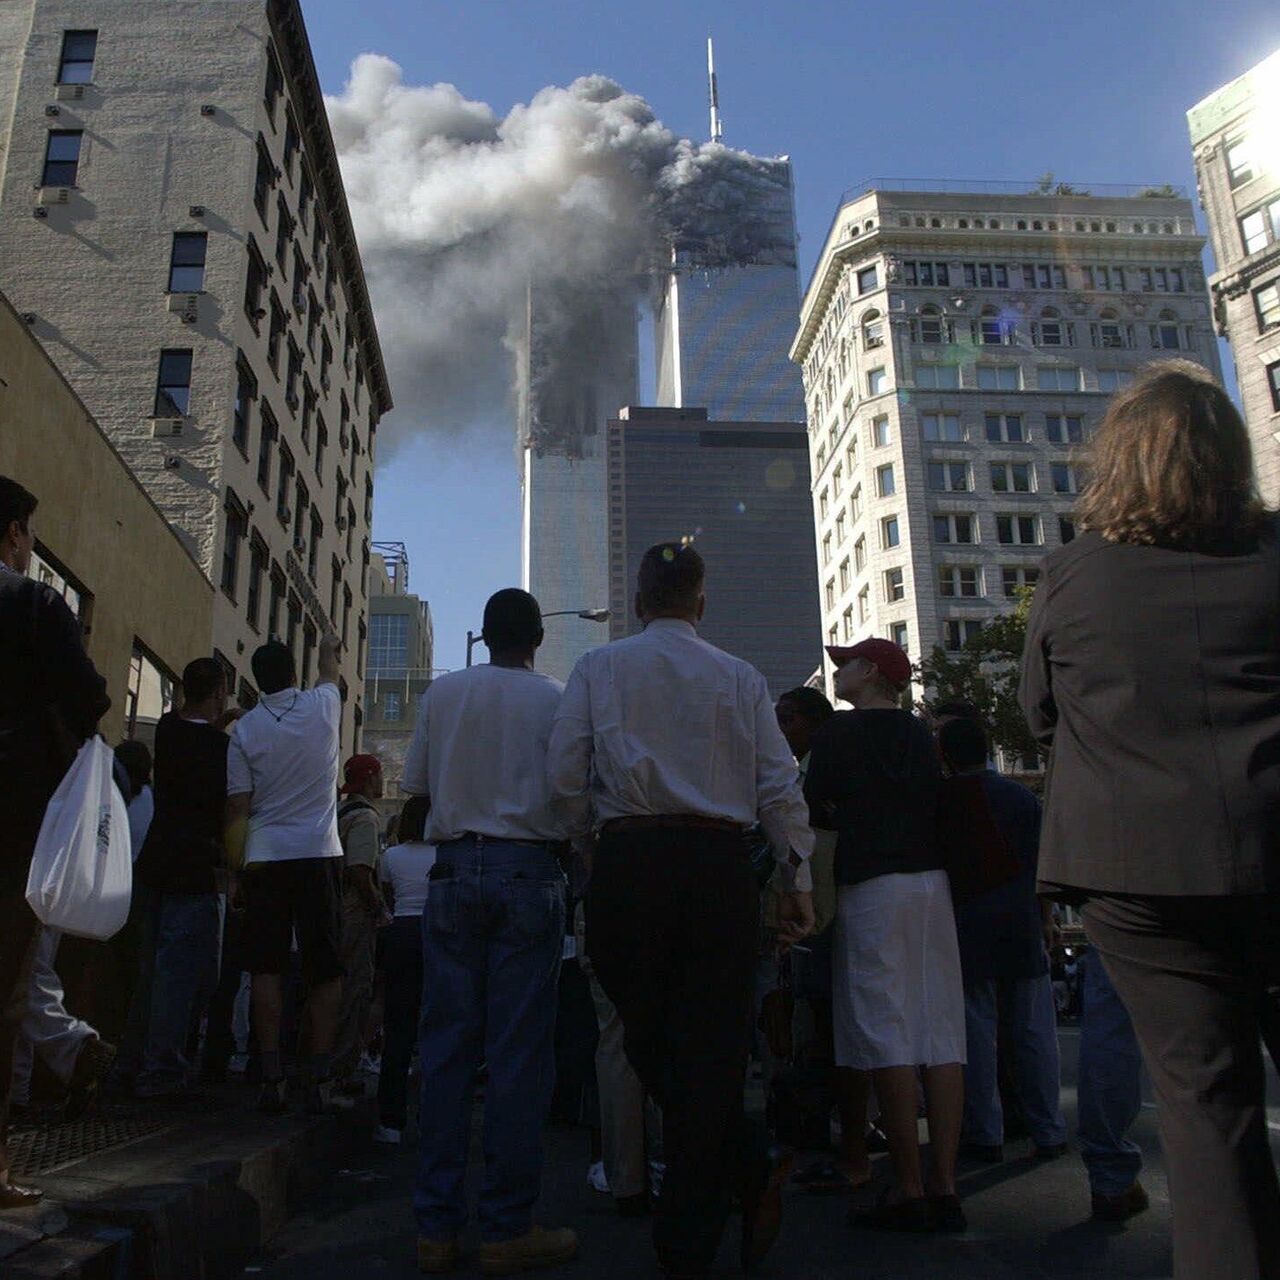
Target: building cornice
298	64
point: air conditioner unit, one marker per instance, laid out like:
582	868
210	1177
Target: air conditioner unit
54	195
52	110
195	211
164	428
186	305
69	92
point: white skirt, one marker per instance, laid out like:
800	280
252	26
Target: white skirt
899	994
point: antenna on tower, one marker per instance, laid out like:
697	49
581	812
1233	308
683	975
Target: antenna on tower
717	125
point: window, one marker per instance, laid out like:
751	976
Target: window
284	230
877	381
291	142
1240	167
186	261
78	51
274	86
308	650
1109	333
275	601
943	426
1176	281
898	634
999	377
855	503
313	545
149	693
872	330
1253	229
959	631
234	531
889	533
864	605
1014	577
308	410
341	501
845	575
1055	378
868	279
846	625
1064	428
1066	529
833	636
949	477
985	275
1018	531
1273	381
346	612
824	504
880	432
326	359
884	480
1052	331
62	157
279	321
257	570
1040	275
285	481
926	273
1065	477
840	528
1165	334
1005	428
993	331
930	328
270	431
391	705
829	593
860	554
306	193
302	501
254	284
1266	302
826	549
173	384
820	460
938	377
1012	477
837	481
246	393
263	180
957	582
895	587
322	439
313	320
959	529
299	281
293	373
1113	379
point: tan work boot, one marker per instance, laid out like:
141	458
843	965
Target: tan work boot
435	1256
536	1248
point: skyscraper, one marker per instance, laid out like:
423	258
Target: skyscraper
740	492
1235	135
725	312
208	303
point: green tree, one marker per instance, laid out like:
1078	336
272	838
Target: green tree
986	673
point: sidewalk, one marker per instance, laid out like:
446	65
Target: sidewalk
147	1191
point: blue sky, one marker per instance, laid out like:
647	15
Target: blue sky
990	89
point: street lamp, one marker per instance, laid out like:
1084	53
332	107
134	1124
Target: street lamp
588	615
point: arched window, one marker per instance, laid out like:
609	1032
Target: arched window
872	330
844	358
1165	333
1051	331
992	330
931	327
1109	332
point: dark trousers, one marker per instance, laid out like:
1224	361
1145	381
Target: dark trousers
18	929
1192	973
672	922
402	965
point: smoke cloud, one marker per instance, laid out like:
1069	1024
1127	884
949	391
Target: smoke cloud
463	216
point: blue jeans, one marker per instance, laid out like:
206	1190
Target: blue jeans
1034	1042
179	941
1110	1089
492	938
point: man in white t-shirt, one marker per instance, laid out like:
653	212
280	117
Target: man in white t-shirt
282	788
492	937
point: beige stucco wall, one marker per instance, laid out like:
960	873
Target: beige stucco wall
97	521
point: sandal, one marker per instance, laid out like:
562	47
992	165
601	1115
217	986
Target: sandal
915	1216
13	1196
823	1178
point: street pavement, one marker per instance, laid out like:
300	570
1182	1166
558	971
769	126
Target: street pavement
1029	1220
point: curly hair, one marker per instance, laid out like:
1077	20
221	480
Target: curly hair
1171	464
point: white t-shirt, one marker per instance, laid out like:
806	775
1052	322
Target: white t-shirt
479	750
405	868
285	751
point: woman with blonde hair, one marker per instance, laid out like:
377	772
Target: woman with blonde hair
1152	671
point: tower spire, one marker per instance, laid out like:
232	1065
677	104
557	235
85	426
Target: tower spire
713	89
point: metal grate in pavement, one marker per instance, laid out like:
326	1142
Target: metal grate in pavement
55	1146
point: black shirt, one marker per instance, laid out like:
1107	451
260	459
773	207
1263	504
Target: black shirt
184	843
874	779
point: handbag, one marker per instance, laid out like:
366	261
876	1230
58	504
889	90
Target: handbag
81	877
977	855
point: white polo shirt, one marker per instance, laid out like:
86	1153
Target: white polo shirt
285	751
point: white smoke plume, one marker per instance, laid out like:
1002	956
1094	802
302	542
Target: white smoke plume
459	214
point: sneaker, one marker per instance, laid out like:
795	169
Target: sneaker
1120	1208
597	1180
386	1135
435	1256
323	1099
93	1065
538	1247
273	1099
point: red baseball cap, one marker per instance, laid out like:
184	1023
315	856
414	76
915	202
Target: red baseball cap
358	770
888	658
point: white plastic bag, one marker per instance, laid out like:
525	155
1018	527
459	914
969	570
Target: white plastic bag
81	872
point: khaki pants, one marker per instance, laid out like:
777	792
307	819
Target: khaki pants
359	934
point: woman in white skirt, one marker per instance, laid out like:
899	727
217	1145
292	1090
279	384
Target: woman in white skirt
874	779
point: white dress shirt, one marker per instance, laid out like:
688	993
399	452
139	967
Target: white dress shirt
285	751
479	750
663	723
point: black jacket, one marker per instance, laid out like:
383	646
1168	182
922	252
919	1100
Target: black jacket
1154	675
51	699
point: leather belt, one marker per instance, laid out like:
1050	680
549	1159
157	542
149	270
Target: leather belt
672	822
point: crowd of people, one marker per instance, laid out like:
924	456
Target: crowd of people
858	895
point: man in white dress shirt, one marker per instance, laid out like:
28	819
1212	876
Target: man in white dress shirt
670	748
492	938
